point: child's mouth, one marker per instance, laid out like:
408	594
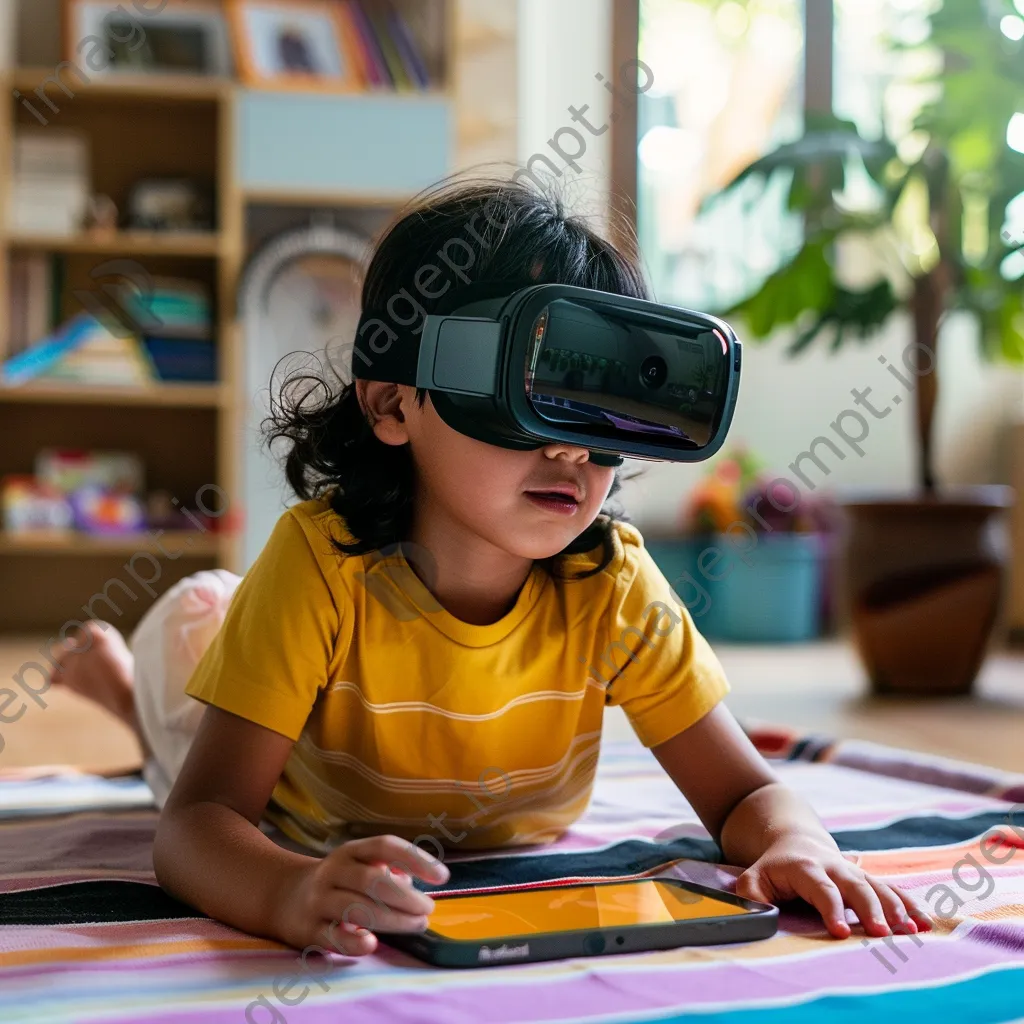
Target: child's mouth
554	501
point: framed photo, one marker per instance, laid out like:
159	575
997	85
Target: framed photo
293	44
184	36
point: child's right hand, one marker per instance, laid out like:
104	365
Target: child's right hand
363	886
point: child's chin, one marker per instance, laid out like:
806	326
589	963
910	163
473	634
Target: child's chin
554	544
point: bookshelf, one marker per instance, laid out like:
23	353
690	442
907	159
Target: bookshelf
138	243
182	396
164	125
182	542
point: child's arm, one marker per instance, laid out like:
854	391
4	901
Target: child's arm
768	829
210	853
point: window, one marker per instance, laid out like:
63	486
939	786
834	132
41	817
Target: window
728	86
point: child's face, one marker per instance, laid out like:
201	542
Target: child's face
506	497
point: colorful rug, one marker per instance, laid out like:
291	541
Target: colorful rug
87	936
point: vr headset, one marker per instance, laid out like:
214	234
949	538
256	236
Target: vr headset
522	367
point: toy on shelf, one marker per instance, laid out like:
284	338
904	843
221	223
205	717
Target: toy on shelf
163	513
100	511
101	216
100	489
70	470
31	507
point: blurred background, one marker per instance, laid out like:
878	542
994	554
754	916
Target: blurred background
189	191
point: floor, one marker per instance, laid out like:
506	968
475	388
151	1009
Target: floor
817	687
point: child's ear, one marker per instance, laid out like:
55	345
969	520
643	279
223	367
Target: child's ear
382	404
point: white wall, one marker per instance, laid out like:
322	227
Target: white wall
563	44
784	403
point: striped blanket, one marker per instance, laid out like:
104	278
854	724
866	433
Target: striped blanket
87	936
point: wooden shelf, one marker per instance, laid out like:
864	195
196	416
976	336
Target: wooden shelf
183	87
157	87
205	244
313	197
197	127
202	396
194	543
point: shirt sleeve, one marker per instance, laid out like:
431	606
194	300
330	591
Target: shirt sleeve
273	653
668	676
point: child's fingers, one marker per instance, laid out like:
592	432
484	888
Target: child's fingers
752	886
385	888
398	854
354	909
917	910
351	940
861	897
821	891
893	907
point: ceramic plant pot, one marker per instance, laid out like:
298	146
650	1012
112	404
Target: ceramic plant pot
925	583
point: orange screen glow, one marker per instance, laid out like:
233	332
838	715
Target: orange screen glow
499	915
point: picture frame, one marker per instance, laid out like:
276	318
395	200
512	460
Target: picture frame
293	44
104	37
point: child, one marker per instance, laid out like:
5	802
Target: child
371	700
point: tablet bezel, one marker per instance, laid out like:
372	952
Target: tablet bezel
760	921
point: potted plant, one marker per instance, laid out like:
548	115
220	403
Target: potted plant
925	574
749	569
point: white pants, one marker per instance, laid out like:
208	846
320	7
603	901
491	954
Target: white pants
167	646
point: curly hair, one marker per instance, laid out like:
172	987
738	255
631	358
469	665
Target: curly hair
515	232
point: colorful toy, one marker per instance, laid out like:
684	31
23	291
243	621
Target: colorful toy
33	507
714	503
68	470
110	512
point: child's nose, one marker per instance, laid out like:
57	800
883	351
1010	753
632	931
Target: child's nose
570	452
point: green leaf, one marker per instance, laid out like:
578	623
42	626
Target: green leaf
805	283
1011	342
806	336
827	148
972	149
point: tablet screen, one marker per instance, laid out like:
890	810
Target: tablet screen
497	915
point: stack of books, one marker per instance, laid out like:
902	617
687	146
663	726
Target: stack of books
387	52
82	351
165	335
176	323
34	283
50	185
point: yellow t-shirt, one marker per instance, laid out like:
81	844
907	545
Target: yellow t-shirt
410	721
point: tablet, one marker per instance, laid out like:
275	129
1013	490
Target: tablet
582	919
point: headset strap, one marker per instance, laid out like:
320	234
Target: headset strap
387	349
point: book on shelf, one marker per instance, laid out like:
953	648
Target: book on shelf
408	50
31	280
81	351
372	59
188	360
165	334
389	54
103	358
392	57
356	47
50	182
172	308
43	354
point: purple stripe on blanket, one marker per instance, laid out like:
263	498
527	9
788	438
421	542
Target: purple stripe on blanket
635	985
121	840
29	881
947	774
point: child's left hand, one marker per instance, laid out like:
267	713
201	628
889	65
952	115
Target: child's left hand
801	866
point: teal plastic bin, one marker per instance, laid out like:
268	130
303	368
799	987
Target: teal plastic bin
768	592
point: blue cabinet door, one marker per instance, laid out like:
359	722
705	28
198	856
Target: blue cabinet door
361	143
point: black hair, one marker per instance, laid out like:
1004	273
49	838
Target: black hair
510	231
